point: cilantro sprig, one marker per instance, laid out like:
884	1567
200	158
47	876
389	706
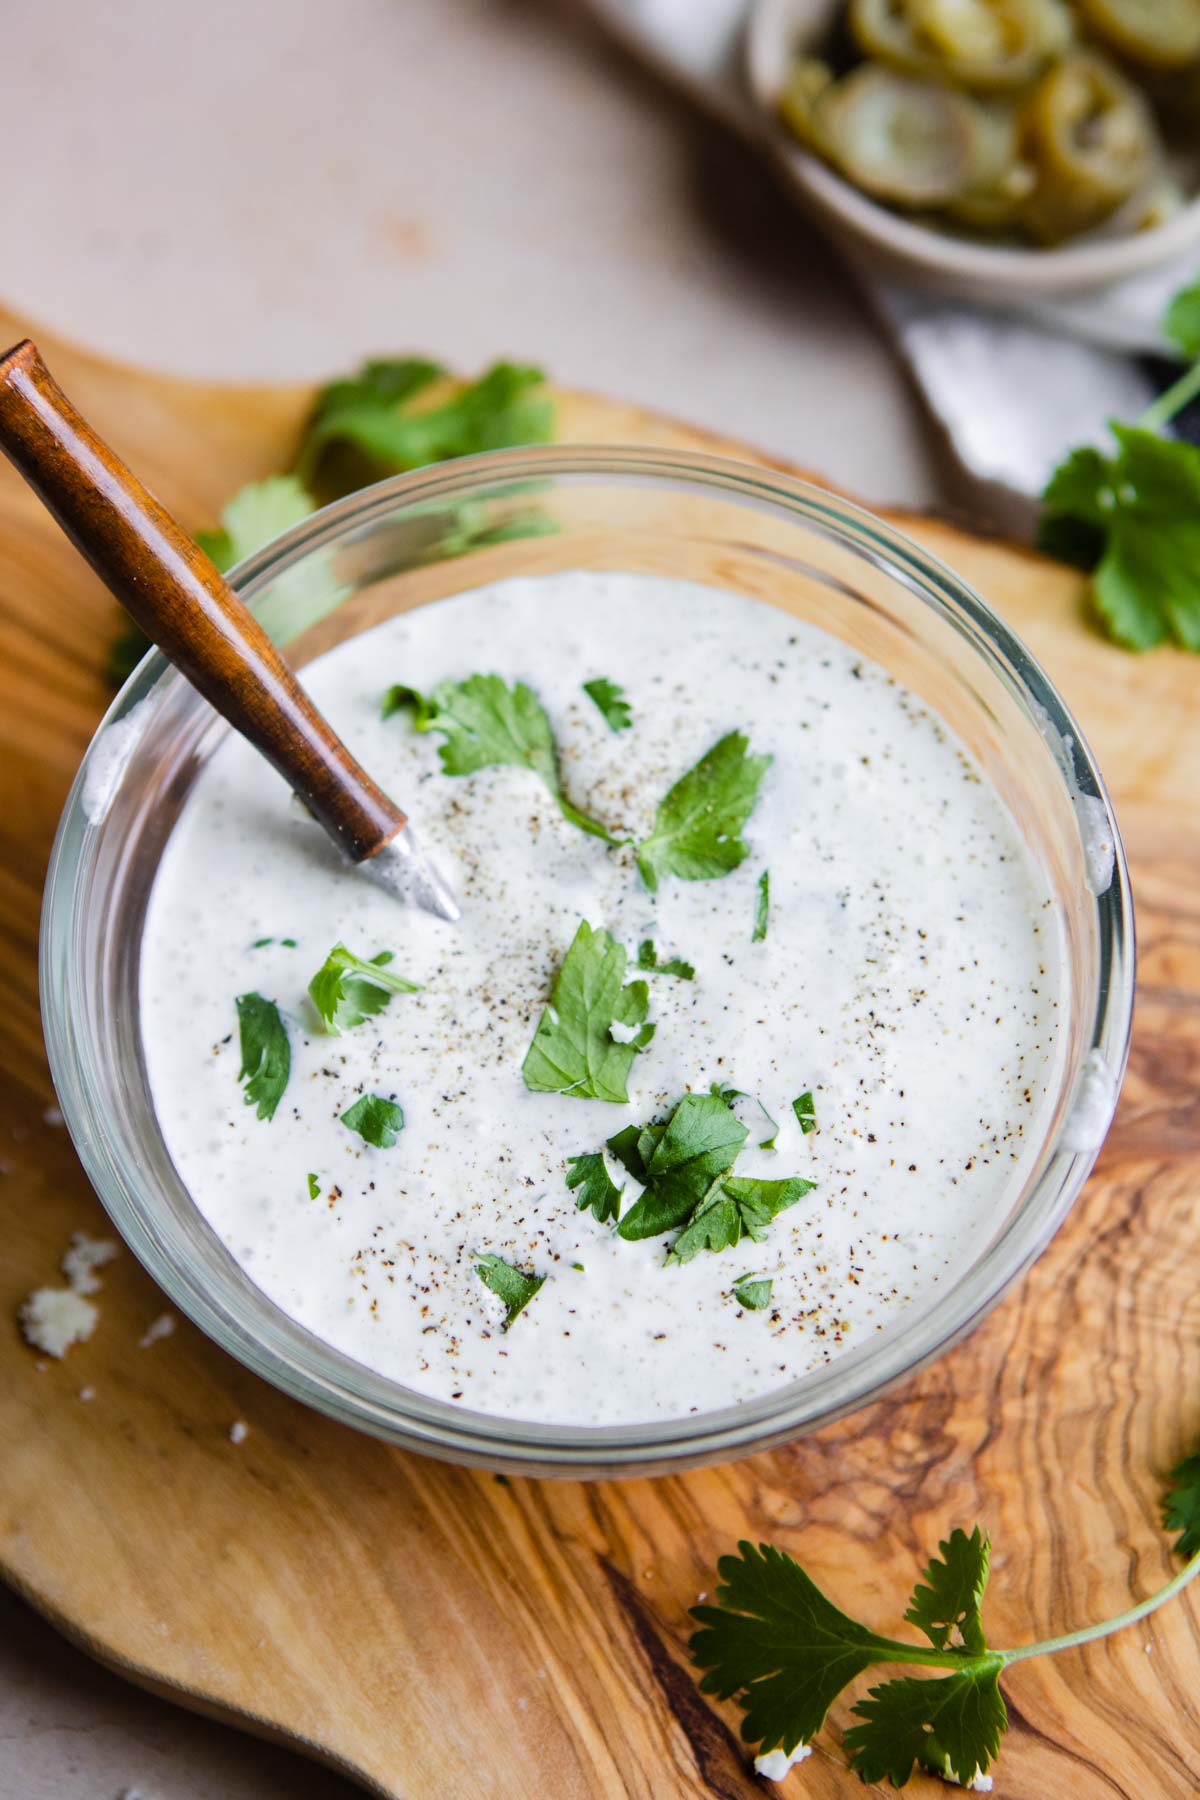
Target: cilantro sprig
487	724
576	1049
346	990
266	1054
1130	516
695	831
785	1651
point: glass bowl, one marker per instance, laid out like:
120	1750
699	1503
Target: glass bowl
418	538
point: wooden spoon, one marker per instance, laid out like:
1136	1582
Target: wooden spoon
163	578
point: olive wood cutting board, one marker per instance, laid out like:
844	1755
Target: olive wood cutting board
432	1630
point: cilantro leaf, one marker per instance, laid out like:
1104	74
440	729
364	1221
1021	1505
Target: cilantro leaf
512	1285
372	415
762	908
376	1120
948	1606
647	958
1181	1506
736	1207
611	701
1182	321
346	990
314	1187
774	1640
574	1049
487	724
400	698
596	1188
1133	519
753	1292
258	512
952	1725
677	1162
805	1111
266	1055
695	833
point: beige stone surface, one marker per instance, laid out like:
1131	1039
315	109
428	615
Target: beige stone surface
277	187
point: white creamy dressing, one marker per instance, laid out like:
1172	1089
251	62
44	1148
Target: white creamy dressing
909	978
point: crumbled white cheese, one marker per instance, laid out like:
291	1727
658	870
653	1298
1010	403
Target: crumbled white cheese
53	1116
87	1393
161	1327
776	1763
52	1319
84	1256
237	1431
978	1784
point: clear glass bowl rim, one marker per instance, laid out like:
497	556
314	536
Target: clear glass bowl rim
316	1374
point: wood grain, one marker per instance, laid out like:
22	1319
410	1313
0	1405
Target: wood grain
433	1630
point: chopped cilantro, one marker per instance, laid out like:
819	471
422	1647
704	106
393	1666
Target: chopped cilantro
487	724
611	701
260	943
314	1186
263	510
288	943
685	1168
266	1056
695	833
753	1292
736	1207
575	1049
1181	1507
647	958
805	1111
731	1095
376	1120
258	512
346	990
594	1188
400	698
513	1286
382	416
762	907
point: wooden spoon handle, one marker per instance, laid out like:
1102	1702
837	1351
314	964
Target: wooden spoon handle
178	598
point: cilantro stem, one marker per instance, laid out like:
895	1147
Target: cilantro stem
1090	1632
1172	401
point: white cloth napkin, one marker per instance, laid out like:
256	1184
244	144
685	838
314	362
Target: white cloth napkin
1014	390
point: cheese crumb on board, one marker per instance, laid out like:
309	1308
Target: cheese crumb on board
83	1257
52	1319
776	1763
238	1431
162	1327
